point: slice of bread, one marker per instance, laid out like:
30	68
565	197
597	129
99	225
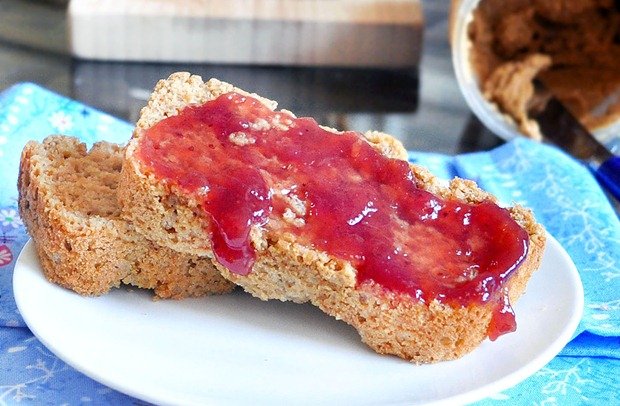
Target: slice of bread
67	200
389	321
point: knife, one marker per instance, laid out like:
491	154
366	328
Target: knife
560	126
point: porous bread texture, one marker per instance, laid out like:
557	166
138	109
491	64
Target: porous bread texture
389	322
67	200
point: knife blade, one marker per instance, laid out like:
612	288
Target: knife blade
558	125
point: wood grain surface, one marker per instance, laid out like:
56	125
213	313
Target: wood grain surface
355	33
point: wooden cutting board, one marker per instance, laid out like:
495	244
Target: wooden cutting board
351	33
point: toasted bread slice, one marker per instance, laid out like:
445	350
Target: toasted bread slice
67	200
286	267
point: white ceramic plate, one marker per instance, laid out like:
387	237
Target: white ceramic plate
235	349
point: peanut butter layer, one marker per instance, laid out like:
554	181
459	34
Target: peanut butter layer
572	46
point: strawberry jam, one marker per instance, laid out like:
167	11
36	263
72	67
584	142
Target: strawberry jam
249	166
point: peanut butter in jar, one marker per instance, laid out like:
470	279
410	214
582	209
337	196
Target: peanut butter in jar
572	46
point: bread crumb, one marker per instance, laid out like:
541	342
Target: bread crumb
280	123
241	139
260	125
291	218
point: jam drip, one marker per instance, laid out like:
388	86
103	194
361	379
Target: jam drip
250	166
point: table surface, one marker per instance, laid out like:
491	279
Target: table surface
422	107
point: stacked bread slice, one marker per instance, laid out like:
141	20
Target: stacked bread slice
158	212
68	204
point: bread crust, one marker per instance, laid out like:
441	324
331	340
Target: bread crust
67	200
389	322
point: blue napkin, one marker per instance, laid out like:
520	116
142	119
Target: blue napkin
562	193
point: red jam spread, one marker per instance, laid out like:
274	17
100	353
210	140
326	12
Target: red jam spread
250	166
